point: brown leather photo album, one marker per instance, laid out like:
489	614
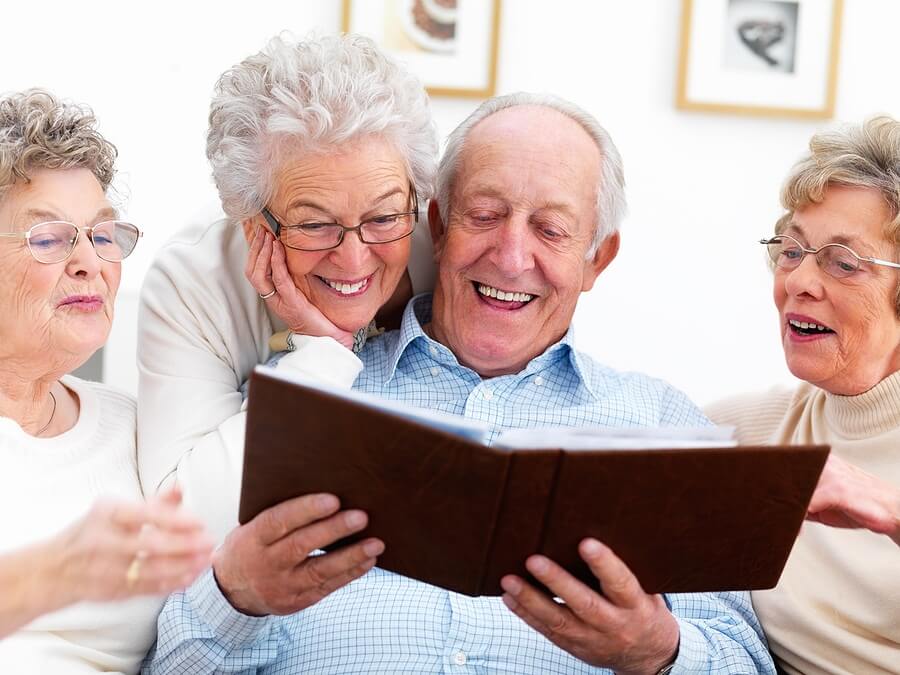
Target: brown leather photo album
459	514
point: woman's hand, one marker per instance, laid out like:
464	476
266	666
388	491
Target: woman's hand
848	497
267	270
122	549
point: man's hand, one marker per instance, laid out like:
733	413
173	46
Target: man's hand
624	629
848	497
264	566
266	270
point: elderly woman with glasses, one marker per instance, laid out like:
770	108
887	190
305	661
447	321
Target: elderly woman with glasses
836	261
74	531
321	151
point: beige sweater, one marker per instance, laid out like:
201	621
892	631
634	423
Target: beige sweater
836	608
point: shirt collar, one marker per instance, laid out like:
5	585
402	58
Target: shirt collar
418	314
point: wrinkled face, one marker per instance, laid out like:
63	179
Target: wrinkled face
511	259
357	182
57	314
856	340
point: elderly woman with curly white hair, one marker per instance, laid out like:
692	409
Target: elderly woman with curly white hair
74	530
321	151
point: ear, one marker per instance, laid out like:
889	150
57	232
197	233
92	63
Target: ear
437	227
605	254
249	225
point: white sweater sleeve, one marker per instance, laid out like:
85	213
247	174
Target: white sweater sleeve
202	330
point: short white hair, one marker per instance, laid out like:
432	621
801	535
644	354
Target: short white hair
611	204
310	96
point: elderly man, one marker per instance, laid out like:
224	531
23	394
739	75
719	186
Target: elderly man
530	196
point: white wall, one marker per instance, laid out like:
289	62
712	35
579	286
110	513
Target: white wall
688	299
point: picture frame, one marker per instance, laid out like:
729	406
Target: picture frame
451	44
759	57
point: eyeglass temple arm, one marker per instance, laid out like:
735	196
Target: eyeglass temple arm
273	224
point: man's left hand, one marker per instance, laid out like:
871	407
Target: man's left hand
624	629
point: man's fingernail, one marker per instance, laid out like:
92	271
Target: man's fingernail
591	547
537	565
326	502
511	585
355	518
373	548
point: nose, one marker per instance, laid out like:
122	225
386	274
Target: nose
805	279
352	254
84	261
512	247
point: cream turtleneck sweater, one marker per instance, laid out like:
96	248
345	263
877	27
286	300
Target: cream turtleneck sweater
836	608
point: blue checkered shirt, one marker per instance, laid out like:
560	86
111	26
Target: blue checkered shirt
386	623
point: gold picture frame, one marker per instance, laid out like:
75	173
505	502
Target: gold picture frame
452	46
760	57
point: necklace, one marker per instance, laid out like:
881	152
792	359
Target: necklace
52	413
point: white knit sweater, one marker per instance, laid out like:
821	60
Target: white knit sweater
202	330
836	608
45	484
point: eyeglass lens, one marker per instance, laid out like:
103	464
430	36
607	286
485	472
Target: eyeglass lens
53	242
835	259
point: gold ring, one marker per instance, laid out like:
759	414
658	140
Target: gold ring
268	295
133	573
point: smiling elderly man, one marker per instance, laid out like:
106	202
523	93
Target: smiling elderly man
530	197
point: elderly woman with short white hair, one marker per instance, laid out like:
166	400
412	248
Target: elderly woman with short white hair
322	151
74	531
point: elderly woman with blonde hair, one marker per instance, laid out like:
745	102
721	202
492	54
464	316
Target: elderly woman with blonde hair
836	261
321	150
66	444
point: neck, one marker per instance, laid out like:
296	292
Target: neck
26	400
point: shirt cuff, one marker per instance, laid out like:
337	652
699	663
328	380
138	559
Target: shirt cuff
323	359
693	656
229	626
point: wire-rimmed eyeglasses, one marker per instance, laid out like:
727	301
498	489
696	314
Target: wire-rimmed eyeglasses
837	260
381	229
54	241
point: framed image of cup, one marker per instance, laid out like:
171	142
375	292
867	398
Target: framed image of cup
759	57
451	44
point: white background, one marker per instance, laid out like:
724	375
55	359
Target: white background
688	299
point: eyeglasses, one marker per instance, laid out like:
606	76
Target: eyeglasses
837	260
53	242
323	236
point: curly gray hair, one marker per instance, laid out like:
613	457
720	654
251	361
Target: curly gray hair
39	131
313	93
862	156
611	204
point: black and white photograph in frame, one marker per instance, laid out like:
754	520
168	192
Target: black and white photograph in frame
761	35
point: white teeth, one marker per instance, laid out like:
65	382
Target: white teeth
506	296
807	326
345	288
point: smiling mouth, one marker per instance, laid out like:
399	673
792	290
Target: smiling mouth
518	297
347	287
807	328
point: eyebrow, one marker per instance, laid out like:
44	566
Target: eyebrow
845	239
305	203
548	205
105	213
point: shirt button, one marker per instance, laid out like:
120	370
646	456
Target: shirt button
433	350
487	394
539	380
459	658
435	371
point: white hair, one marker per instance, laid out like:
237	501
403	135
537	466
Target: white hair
310	96
611	205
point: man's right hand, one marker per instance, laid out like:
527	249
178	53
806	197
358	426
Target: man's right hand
264	567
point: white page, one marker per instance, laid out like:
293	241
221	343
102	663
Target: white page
615	438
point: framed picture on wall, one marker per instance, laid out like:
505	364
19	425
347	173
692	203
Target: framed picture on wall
451	44
759	57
